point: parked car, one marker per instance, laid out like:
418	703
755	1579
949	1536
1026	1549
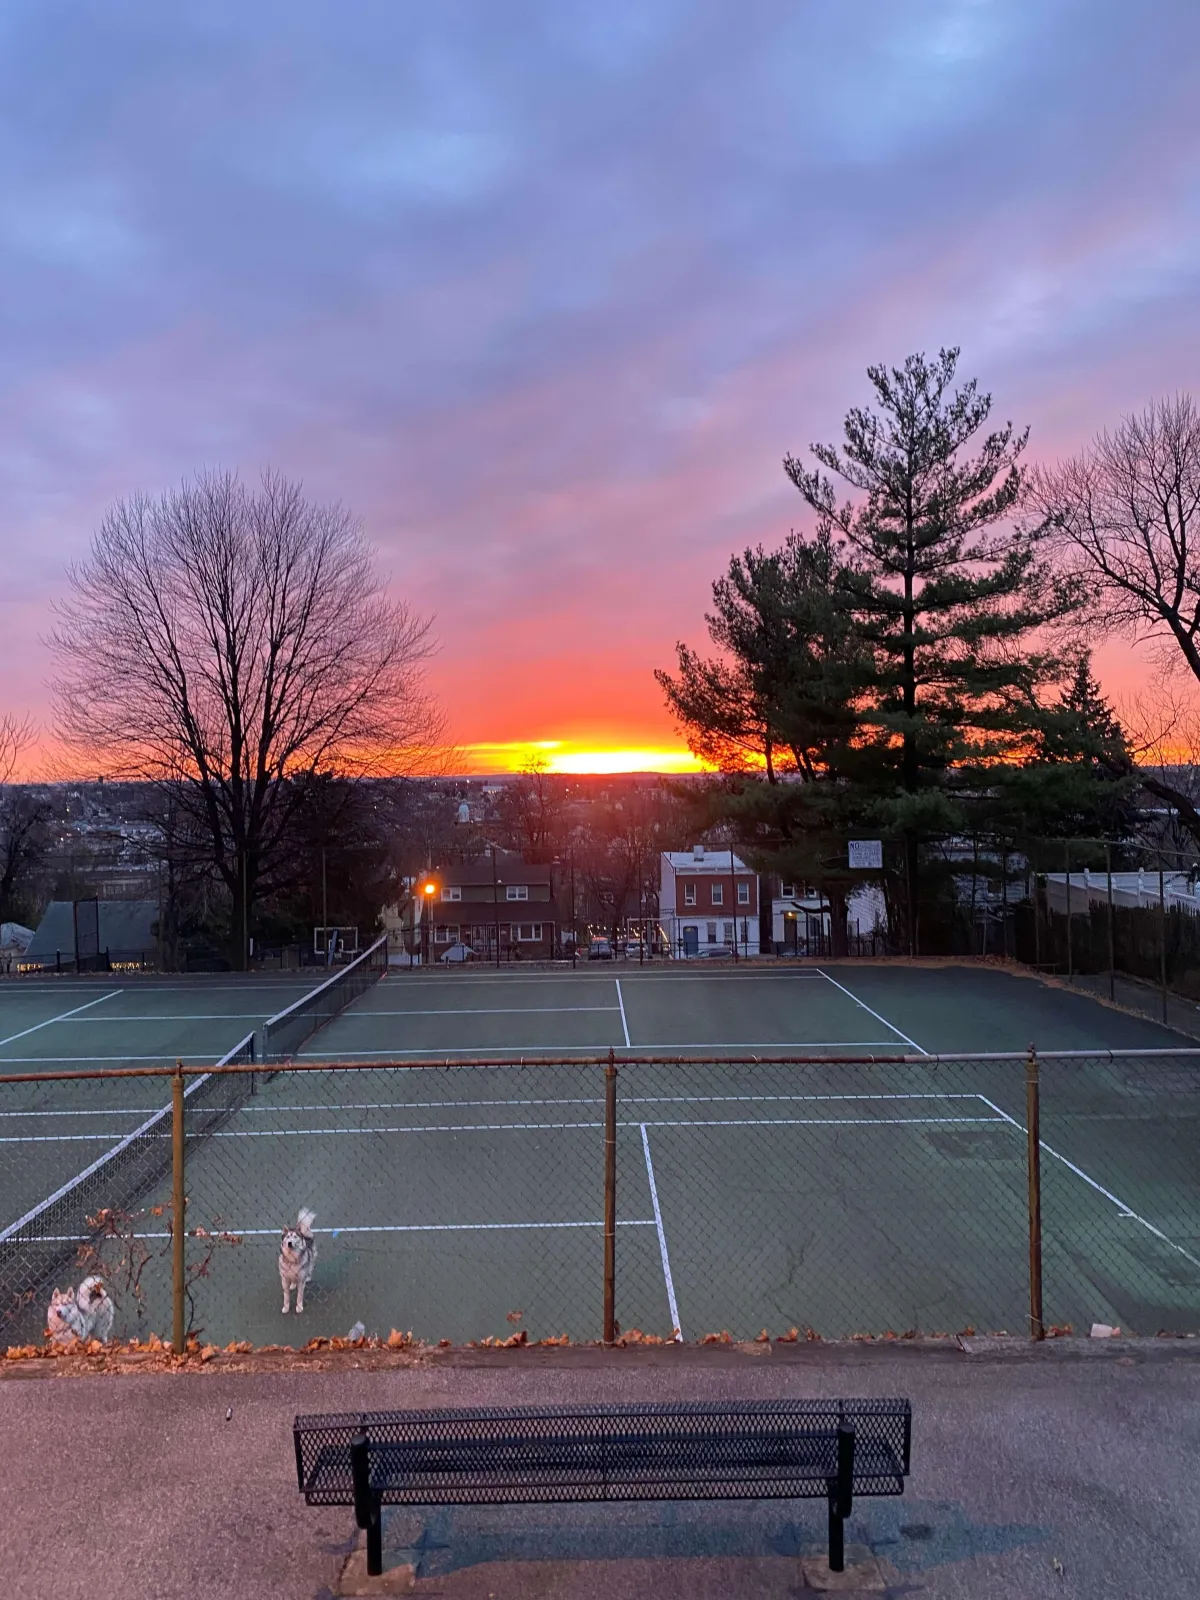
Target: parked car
458	952
600	950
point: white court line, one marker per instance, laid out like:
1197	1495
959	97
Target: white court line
481	1011
170	1056
432	1053
624	1024
1124	1210
62	1017
384	1227
874	1014
531	1127
546	1100
178	1016
676	1331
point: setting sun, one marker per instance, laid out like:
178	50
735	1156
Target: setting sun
566	756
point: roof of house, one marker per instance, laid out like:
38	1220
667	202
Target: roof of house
509	868
697	860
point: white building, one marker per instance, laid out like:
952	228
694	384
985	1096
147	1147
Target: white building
800	917
707	900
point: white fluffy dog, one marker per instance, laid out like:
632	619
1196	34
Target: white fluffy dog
83	1313
297	1257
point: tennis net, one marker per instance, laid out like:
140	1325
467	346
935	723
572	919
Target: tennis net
45	1240
286	1031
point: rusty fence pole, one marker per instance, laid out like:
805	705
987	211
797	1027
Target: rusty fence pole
1037	1328
610	1201
178	1221
1162	936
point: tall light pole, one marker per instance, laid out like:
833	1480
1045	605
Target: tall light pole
495	906
430	889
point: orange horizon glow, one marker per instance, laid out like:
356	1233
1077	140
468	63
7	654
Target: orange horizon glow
568	757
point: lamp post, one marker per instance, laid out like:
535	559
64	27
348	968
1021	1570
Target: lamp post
429	889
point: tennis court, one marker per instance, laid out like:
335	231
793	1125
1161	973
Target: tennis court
466	1200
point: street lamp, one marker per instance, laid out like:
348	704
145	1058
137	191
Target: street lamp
429	889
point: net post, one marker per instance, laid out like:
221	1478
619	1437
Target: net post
610	1200
178	1209
1034	1165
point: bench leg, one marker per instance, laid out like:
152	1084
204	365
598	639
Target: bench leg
368	1512
375	1543
841	1496
837	1542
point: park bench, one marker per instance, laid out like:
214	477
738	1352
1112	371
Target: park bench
748	1450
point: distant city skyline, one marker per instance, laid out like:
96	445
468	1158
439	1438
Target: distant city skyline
545	292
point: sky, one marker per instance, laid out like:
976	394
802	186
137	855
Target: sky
545	292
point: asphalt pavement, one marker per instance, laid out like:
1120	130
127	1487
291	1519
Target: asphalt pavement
1067	1470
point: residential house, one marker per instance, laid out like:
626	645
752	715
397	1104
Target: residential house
707	899
503	899
800	917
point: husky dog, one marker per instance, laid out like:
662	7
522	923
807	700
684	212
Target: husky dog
83	1313
64	1320
297	1257
96	1308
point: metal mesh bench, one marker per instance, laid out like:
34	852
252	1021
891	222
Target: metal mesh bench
772	1450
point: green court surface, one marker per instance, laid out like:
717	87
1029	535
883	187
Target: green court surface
465	1201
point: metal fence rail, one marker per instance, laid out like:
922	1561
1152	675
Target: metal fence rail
590	1197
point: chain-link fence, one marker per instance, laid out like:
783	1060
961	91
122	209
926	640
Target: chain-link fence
590	1198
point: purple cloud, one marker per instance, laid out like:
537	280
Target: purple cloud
545	292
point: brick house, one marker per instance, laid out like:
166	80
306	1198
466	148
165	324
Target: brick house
707	898
476	902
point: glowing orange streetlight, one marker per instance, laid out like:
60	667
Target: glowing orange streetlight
430	889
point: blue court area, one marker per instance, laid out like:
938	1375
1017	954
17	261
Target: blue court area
454	1157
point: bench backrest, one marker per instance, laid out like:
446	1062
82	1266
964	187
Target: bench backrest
323	1442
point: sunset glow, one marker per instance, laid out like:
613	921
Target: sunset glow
565	756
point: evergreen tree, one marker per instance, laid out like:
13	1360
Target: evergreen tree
781	697
1078	780
947	594
781	700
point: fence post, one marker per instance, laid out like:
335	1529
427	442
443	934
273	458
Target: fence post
1162	936
1112	936
178	1208
1034	1163
1067	878
610	1200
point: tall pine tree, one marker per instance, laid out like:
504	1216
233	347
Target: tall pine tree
949	596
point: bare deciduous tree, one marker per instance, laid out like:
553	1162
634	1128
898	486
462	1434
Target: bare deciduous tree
1124	518
23	817
229	645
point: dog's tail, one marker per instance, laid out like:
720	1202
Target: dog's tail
305	1220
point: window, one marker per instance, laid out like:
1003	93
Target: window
517	891
711	930
689	894
445	933
451	892
718	894
743	894
788	891
529	932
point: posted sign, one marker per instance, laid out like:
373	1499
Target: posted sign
866	854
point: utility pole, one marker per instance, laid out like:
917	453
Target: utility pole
733	898
324	903
495	905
